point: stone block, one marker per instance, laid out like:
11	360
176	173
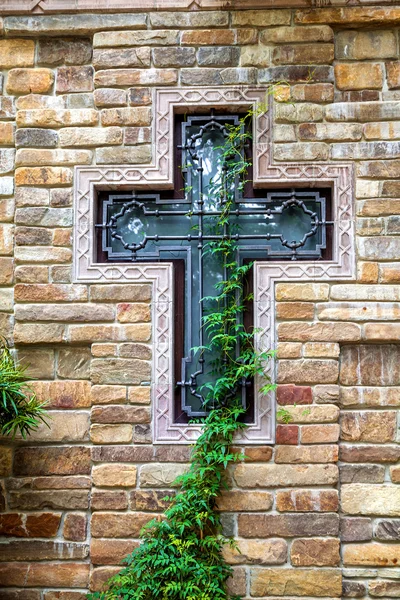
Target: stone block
188	20
26	81
362	111
321	350
201	77
298	113
119	525
122	454
255	56
137	135
380	248
74	79
362	474
261	18
219	56
289	350
49	499
371	555
395	474
120	414
387	530
108	500
62	429
6	270
160	475
308	371
66	51
130	77
140	96
74	363
355	529
208	37
120	293
108	394
38	362
75	526
31	197
370	365
50	293
384	589
319	434
76	25
295	311
126	155
306	582
111	434
34	138
114	475
313	413
6	239
297	35
42	550
259	552
174	57
7	134
51	118
380	500
308	292
319	332
43	176
6	457
109	58
44	525
16	53
64	394
393	74
348	16
306	454
287	434
110	552
137	116
315	553
238	501
120	371
366	45
115	39
371	454
303	54
270	475
369	426
34	333
307	501
35	157
330	131
139	395
104	98
150	499
301	151
297	74
87	136
34	461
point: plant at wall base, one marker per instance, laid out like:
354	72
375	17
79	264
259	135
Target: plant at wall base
20	411
181	554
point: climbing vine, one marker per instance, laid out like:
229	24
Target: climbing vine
181	553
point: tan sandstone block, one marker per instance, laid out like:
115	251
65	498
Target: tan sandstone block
261	18
37	333
50	118
63	428
307	501
108	394
114	475
371	555
289	350
43	176
240	501
111	434
306	454
319	332
363	499
327	413
308	371
138	116
319	434
315	553
309	292
321	350
16	53
139	394
119	525
160	475
262	552
28	81
359	76
369	426
304	582
5	461
295	310
271	475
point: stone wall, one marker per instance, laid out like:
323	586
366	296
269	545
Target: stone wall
318	511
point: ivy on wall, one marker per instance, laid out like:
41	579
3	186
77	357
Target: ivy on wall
181	554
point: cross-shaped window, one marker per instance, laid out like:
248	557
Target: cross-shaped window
285	224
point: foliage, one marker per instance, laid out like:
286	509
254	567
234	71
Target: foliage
20	410
181	554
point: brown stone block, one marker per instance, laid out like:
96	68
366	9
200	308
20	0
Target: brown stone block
319	434
60	499
74	460
63	394
355	529
7	134
308	54
65	596
365	45
109	500
358	76
287	434
308	292
208	37
257	552
387	529
108	394
39	363
261	18
6	271
100	576
294	35
122	454
369	426
140	351
114	475
43	176
139	395
120	293
369	454
270	475
35	333
368	272
377	365
305	582
110	552
109	58
289	350
13	574
306	454
315	553
16	53
312	92
151	500
393	74
238	501
60	51
119	525
362	474
137	116
31	274
308	371
6	455
62	482
74	79
307	501
32	525
384	589
312	414
25	550
120	414
66	574
395	474
18	594
111	434
105	98
172	453
349	16
133	313
74	363
104	350
288	525
54	118
372	555
293	394
75	525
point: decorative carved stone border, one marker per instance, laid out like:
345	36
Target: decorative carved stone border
159	175
111	6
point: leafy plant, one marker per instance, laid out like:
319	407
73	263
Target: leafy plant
181	554
20	410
